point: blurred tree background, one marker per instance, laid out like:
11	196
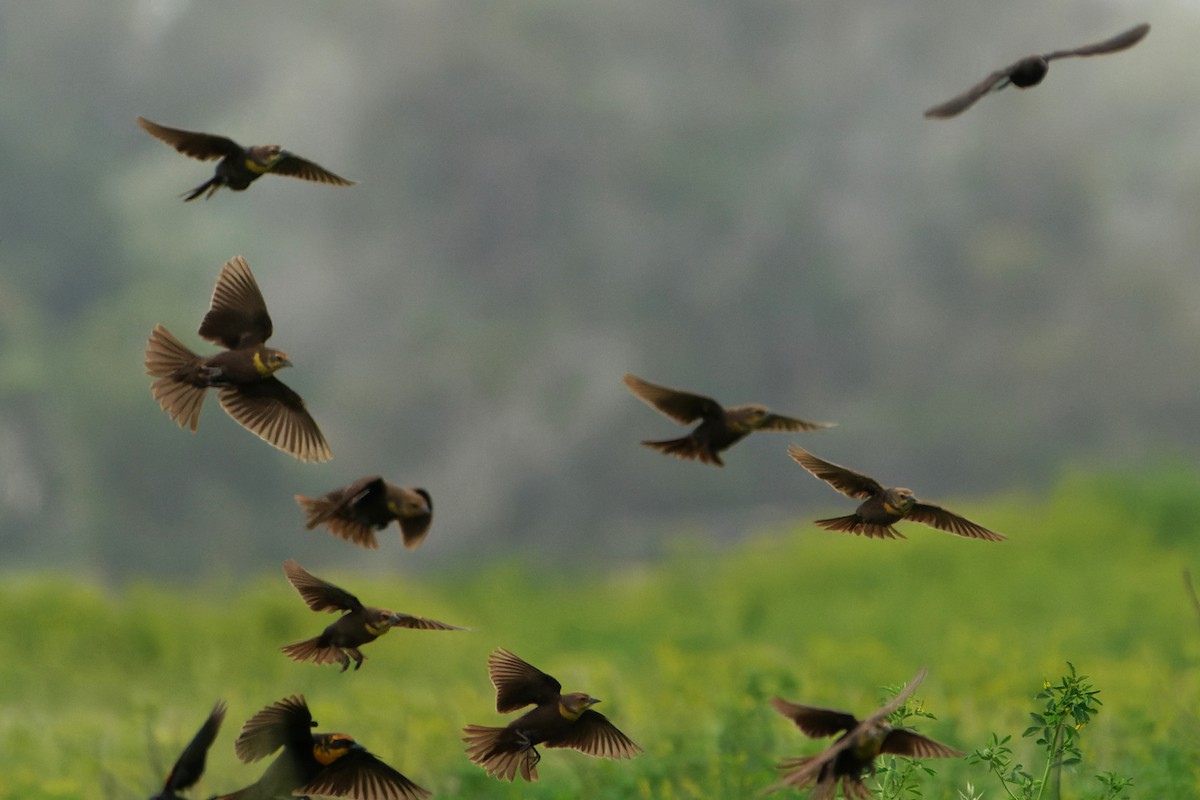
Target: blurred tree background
737	198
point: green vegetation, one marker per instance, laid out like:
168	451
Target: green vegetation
97	685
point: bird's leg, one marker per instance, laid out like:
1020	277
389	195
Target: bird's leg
343	659
358	657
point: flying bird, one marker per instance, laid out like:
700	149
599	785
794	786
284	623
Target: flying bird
557	720
1030	70
360	625
719	429
243	375
190	765
854	752
238	166
369	504
313	764
882	506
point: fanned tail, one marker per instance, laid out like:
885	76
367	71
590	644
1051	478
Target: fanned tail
166	359
688	448
489	748
852	524
311	650
316	510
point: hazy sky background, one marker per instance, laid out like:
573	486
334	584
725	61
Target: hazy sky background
737	198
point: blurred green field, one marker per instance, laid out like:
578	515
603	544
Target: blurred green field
99	689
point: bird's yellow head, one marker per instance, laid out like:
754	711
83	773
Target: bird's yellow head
263	158
268	361
407	504
380	621
899	501
869	742
573	704
746	418
329	747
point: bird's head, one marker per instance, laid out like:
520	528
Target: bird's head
407	503
746	418
899	501
573	704
264	157
381	620
268	361
329	747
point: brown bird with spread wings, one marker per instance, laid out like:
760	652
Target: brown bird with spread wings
238	166
369	504
557	720
719	429
243	375
360	625
882	506
1030	70
854	753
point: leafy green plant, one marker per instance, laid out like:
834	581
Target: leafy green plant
1069	706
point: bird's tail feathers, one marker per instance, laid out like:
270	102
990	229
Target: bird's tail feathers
312	650
316	510
852	524
211	185
166	358
490	749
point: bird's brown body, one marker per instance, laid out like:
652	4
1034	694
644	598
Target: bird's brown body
360	625
720	428
316	764
557	720
243	374
883	506
238	166
853	754
1030	71
370	504
190	765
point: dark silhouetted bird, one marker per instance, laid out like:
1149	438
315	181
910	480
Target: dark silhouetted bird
557	720
719	429
854	752
1030	70
881	506
238	166
313	764
244	374
369	504
190	766
361	624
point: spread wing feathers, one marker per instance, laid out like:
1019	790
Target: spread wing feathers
348	529
295	167
962	102
778	422
423	624
181	400
190	765
237	315
683	407
852	524
943	520
593	734
1121	41
815	722
319	595
485	748
413	530
847	481
277	415
362	776
203	146
887	708
518	683
687	448
904	742
287	722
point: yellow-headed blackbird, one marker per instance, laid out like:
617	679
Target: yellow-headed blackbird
558	720
313	764
1030	70
361	624
882	506
854	752
239	166
369	504
190	766
244	375
719	429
